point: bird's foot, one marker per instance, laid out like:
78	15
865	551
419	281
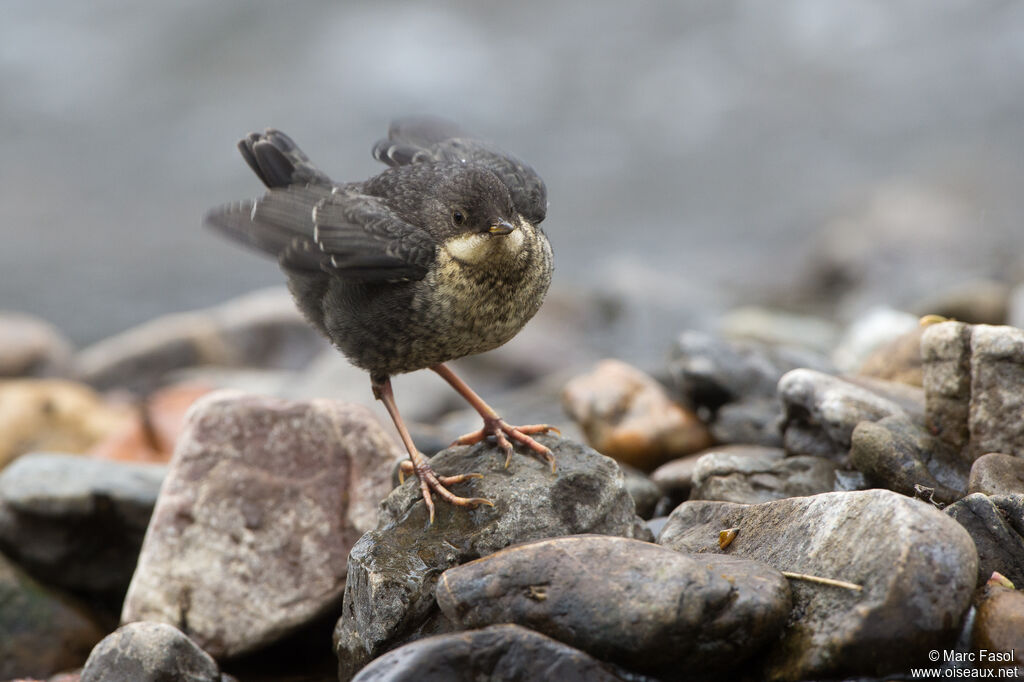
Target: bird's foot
430	481
502	432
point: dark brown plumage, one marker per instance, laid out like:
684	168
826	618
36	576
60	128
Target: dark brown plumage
438	257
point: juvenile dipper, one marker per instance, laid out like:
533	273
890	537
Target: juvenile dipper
438	257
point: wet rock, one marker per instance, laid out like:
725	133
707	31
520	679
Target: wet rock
263	329
393	569
897	454
996	524
870	336
917	570
53	415
41	632
749	475
898	360
501	652
997	474
710	371
946	358
275	493
77	522
30	347
822	411
999	627
149	652
619	599
642	489
627	415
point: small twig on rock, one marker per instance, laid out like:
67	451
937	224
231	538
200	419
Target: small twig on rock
922	490
823	581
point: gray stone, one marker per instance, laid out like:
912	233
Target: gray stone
41	631
909	398
642	489
996	524
822	411
973	377
272	492
899	455
75	521
997	474
997	391
262	328
509	653
710	371
620	600
30	347
917	570
757	421
751	475
149	652
393	569
946	358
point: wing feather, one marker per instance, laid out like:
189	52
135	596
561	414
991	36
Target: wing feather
419	139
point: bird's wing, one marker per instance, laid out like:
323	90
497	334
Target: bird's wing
335	230
413	140
278	161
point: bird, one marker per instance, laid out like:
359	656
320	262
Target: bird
438	257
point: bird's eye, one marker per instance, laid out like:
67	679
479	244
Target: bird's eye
458	217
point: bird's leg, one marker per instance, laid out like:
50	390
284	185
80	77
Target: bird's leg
494	425
419	465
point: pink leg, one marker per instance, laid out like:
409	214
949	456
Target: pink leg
429	481
494	425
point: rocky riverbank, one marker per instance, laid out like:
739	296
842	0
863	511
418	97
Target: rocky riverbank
214	496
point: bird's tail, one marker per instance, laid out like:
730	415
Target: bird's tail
278	161
279	224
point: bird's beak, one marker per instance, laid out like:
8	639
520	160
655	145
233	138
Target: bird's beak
503	227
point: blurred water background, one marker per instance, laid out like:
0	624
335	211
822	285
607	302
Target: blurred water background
697	154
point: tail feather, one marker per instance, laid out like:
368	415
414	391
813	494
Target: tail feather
278	161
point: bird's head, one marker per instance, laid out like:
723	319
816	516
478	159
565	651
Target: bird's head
479	219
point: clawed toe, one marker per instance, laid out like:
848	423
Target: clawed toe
502	432
433	484
407	468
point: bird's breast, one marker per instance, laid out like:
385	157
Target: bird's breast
486	287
